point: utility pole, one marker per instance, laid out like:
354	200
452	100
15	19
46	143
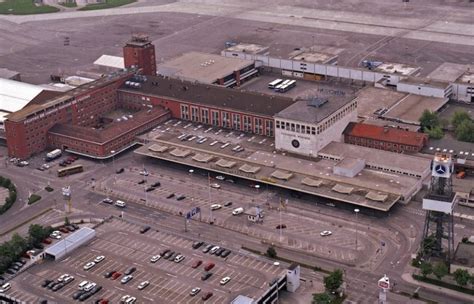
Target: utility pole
356	212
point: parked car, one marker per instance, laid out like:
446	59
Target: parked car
238	211
121	170
225	253
281	226
220	177
196	264
144	173
126	279
130	271
47	241
197	244
180	197
149	189
214	249
165	251
209	266
116	275
219	251
179	258
168	254
108	200
194	291
207	295
46	283
227	204
225	280
89	286
108	274
143	284
99	259
89	265
215	186
120	204
144	229
206	276
155	258
156	184
77	294
170	195
58	286
207	248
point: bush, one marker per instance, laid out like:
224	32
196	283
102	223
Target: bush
271	252
33	199
461	276
6	183
435	132
333	281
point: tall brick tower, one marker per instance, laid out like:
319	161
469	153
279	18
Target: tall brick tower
140	52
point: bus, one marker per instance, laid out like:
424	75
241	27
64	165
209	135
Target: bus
284	83
288	86
274	83
70	170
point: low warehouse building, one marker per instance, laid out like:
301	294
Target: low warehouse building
73	241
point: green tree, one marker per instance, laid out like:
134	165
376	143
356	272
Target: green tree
429	120
465	131
435	132
18	244
440	269
271	252
321	298
37	233
461	276
333	281
426	269
458	118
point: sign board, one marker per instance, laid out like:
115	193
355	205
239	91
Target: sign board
193	212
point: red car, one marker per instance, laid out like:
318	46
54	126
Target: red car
116	275
47	241
209	266
104	301
64	230
207	295
197	264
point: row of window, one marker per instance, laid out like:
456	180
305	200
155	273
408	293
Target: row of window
381	144
228	120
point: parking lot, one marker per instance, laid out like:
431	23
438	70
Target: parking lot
124	246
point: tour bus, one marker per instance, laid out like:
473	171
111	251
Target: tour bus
70	170
274	83
288	86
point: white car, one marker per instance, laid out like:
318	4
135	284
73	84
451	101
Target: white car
179	258
89	286
194	291
68	279
99	259
143	284
144	173
216	206
120	204
126	279
89	265
225	280
155	258
82	285
237	211
63	277
325	233
55	235
5	287
130	300
214	249
215	186
220	177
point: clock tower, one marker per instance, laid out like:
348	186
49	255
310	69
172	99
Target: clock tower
439	205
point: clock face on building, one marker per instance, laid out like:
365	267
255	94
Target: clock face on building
440	169
295	143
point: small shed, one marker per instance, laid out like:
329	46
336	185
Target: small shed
254	214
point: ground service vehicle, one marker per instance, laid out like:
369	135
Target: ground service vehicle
53	155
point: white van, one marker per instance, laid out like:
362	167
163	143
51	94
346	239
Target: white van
83	284
238	211
120	204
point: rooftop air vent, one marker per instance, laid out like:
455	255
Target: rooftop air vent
317	102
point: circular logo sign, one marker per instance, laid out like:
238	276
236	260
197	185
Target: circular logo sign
440	169
295	143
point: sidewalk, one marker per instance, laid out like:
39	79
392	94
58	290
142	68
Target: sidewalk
408	278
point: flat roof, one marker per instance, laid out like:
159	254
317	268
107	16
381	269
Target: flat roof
425	82
370	99
70	241
387	159
202	67
303	111
410	108
391	124
250	48
448	72
313	57
110	61
6	73
212	95
110	131
318	180
468	77
396	68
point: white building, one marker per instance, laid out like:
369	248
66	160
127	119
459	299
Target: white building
425	87
307	126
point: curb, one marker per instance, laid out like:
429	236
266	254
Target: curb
26	221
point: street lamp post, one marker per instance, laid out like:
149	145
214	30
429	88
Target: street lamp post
113	164
356	212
